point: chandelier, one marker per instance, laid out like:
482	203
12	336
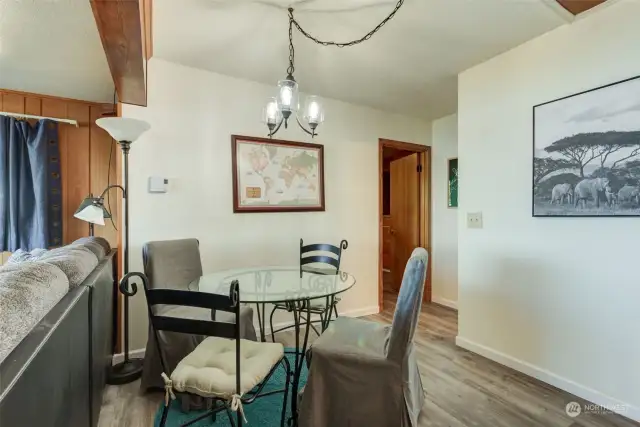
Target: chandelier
281	108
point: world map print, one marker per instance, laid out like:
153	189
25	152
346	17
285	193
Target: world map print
272	174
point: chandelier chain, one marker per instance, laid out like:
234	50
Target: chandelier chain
366	37
292	52
273	128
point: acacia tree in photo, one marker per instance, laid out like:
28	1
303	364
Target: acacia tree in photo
624	174
583	148
632	169
545	166
578	154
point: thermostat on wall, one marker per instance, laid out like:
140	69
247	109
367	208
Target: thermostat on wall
158	184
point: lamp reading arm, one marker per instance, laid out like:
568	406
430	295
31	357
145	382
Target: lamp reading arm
124	192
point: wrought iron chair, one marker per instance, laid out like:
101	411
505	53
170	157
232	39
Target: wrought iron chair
194	374
317	258
173	264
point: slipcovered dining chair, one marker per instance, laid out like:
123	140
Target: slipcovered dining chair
365	373
316	258
174	264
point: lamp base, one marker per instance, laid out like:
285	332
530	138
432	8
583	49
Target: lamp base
125	372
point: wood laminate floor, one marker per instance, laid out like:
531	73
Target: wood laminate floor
462	388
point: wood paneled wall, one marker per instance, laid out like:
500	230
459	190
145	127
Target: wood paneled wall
84	156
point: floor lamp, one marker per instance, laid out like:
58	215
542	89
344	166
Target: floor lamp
92	210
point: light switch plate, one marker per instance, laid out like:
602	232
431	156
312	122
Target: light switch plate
474	220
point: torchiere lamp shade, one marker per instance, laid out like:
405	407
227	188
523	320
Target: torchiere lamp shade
122	128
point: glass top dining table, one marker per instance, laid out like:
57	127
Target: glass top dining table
294	286
278	284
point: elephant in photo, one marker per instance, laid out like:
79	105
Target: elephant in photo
612	197
591	187
629	193
562	192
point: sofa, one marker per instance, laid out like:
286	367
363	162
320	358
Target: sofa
56	334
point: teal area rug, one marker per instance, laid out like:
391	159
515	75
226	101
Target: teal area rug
264	412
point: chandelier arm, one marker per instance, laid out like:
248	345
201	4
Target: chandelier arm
341	44
312	133
277	128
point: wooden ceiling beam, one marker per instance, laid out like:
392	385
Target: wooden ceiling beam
578	6
147	24
120	24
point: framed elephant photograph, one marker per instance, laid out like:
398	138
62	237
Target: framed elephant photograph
586	153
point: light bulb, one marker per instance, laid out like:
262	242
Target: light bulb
314	111
285	95
272	112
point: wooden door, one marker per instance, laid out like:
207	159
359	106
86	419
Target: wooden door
387	254
387	249
405	213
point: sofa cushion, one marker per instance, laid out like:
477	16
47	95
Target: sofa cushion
76	262
210	369
27	292
98	245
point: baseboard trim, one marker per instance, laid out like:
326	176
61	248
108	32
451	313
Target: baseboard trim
445	302
625	409
137	353
360	312
365	311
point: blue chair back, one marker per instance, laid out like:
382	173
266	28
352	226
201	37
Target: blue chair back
405	318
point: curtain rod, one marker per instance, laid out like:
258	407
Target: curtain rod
29	116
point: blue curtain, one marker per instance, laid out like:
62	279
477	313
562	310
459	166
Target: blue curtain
30	185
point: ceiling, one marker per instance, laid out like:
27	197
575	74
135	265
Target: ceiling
409	67
52	47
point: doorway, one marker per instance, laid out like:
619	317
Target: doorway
405	221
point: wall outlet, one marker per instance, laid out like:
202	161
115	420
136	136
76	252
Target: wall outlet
474	220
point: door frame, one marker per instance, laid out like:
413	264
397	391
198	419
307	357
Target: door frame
424	159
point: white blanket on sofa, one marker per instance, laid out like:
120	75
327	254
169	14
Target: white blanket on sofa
76	261
27	292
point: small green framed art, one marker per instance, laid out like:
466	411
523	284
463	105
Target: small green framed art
452	183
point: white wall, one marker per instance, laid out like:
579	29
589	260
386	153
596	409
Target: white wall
193	114
444	240
556	298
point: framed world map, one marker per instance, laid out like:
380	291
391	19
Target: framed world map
272	175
